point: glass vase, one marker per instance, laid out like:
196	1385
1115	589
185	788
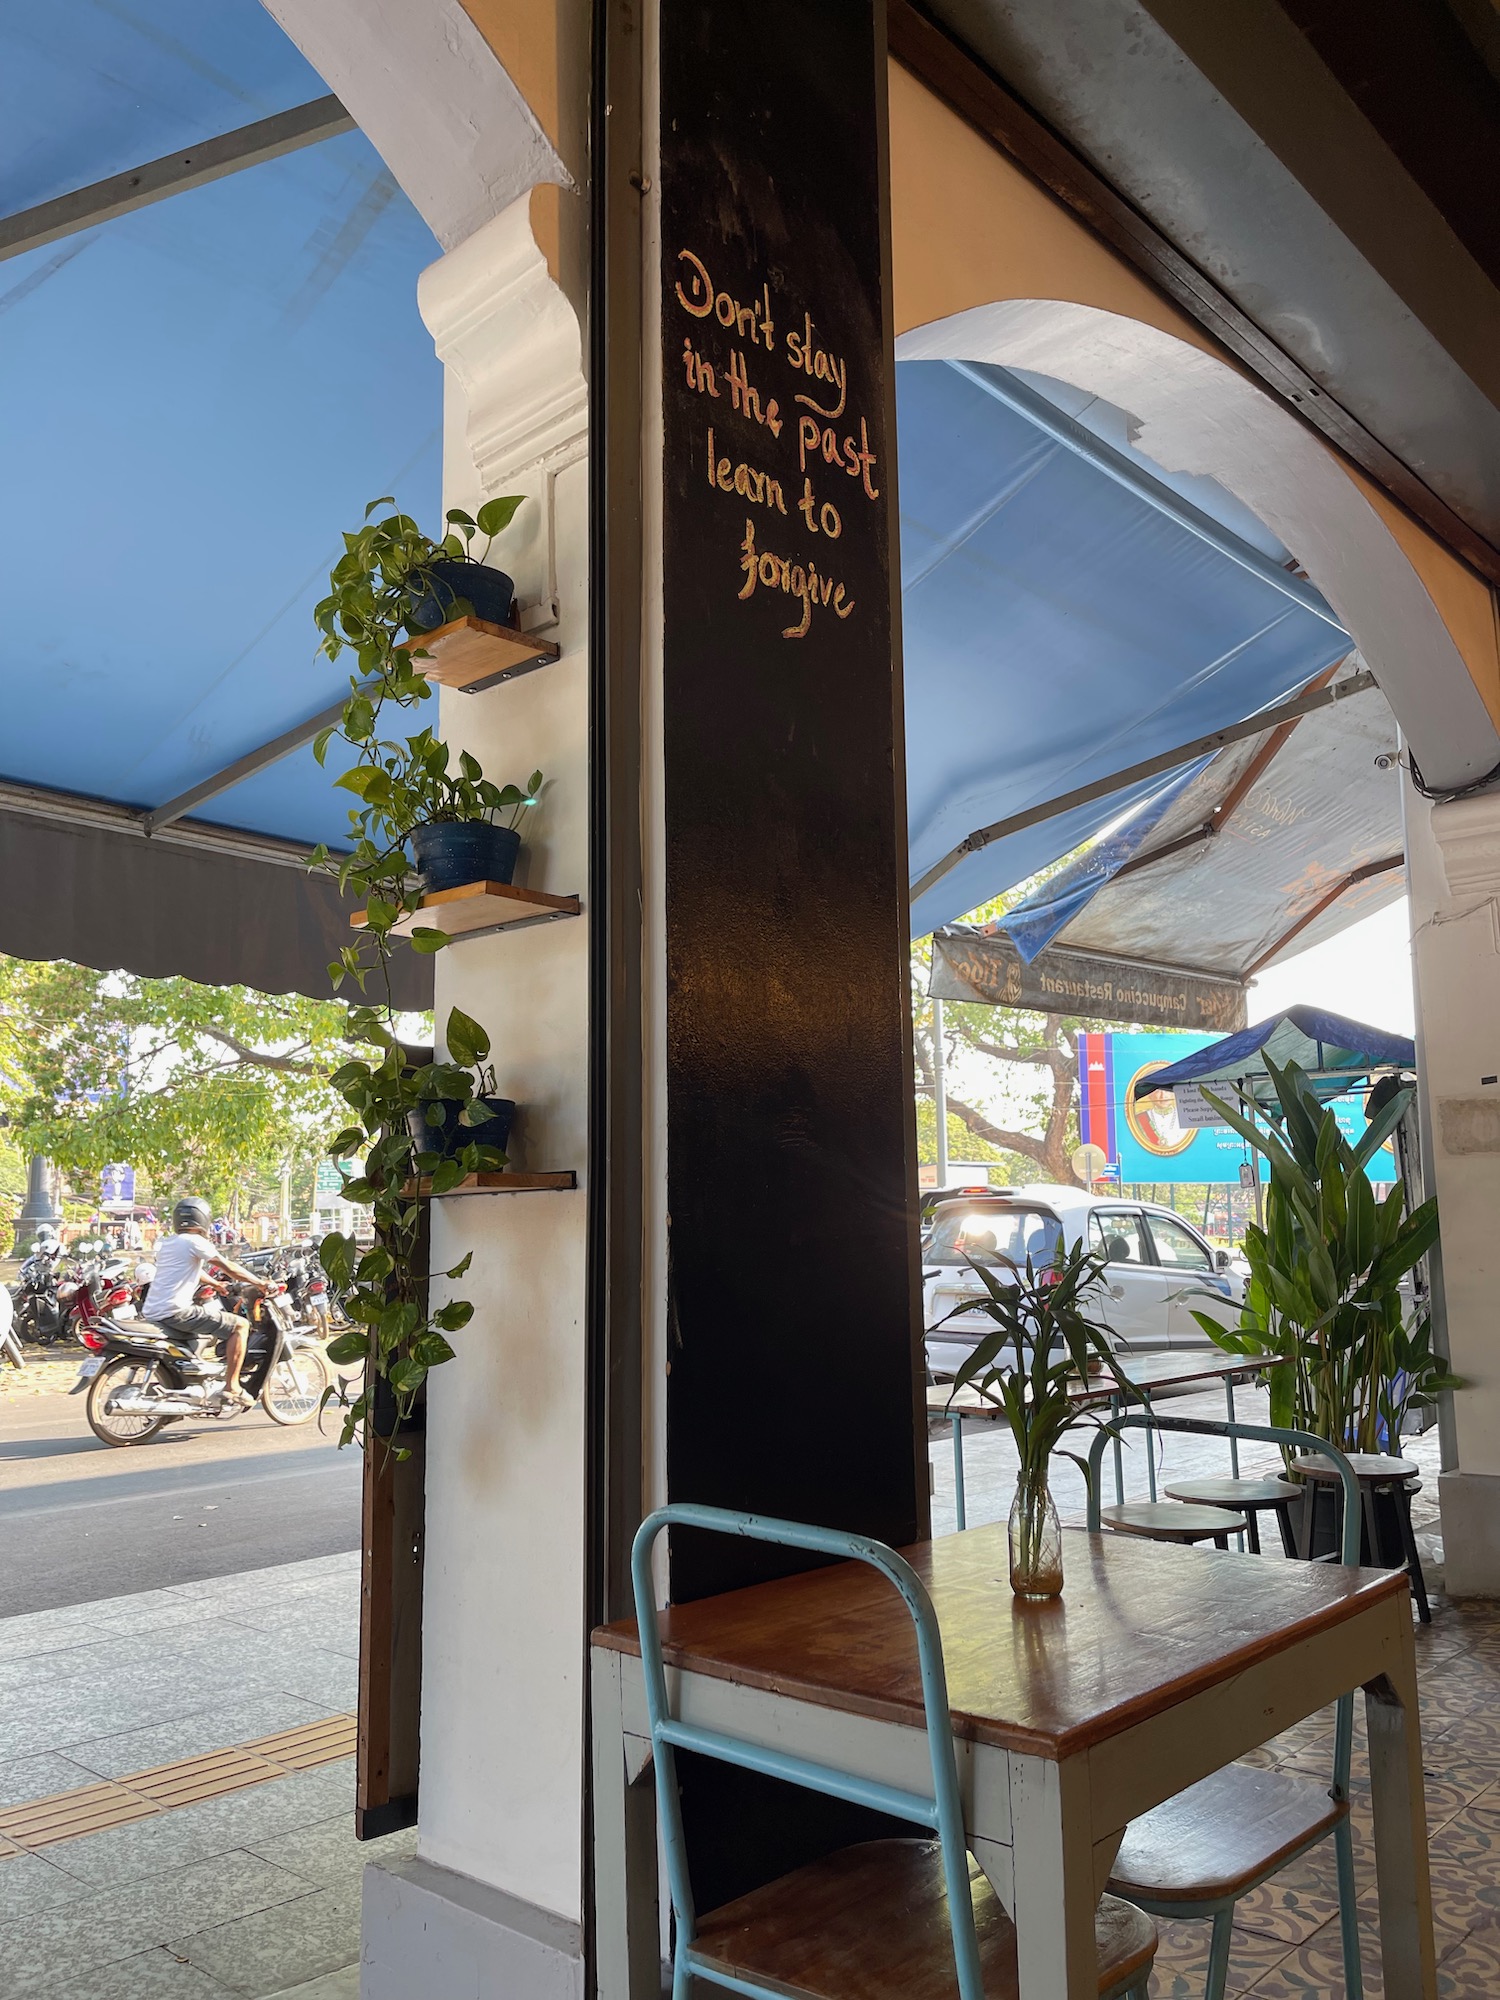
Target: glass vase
1036	1568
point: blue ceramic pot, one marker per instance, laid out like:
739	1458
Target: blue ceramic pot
488	591
453	852
449	1137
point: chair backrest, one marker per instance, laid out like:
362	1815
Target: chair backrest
1343	1728
942	1812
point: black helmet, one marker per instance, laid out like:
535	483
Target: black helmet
191	1214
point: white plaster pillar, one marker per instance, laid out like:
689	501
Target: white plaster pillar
1453	854
493	1905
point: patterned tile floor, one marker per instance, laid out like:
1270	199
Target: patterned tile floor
1286	1940
1286	1943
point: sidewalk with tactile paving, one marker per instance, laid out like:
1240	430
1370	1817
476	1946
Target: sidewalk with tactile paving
177	1792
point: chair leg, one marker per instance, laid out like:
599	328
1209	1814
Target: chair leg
1284	1522
1343	1844
1218	1953
1221	1542
1252	1520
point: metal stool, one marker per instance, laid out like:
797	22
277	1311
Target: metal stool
1249	1497
1392	1481
1170	1521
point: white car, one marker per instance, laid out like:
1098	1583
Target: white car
1159	1266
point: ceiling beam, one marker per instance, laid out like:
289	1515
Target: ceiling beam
1149	767
246	766
956	75
138	187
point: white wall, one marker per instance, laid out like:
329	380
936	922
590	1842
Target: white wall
1453	855
503	1638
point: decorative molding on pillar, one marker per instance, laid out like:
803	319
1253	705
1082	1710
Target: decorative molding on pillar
512	341
1467	832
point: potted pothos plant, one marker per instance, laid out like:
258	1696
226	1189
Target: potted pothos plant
1032	1365
416	1120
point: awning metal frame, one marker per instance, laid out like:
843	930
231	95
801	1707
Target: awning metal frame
138	187
1149	767
1136	478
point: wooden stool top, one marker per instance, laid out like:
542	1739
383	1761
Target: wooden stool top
1269	1492
1171	1521
873	1920
1373	1466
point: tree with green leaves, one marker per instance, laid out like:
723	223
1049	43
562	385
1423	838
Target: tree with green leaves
1033	1147
208	1089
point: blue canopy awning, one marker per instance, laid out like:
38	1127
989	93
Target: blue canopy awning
1334	1053
198	398
1057	628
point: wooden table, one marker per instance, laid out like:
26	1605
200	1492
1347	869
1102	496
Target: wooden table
1151	1375
1157	1666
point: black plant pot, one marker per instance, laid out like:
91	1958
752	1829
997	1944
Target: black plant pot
488	592
449	1137
452	852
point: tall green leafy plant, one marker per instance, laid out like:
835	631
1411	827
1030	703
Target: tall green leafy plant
1326	1269
399	783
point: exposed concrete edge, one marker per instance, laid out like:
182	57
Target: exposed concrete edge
1471	1533
428	1929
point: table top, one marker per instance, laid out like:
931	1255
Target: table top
1364	1465
1144	1371
1140	1626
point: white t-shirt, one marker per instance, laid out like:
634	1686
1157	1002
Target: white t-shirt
179	1265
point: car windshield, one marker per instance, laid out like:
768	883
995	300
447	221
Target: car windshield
964	1235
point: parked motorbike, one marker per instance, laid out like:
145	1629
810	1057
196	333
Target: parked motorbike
41	1297
141	1378
107	1287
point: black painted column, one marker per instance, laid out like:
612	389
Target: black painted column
793	1278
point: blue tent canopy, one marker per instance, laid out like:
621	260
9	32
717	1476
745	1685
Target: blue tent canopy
1057	628
1333	1052
198	398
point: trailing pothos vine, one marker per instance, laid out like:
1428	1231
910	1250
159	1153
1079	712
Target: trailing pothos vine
400	782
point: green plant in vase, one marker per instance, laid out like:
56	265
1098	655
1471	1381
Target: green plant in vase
416	1120
1031	1365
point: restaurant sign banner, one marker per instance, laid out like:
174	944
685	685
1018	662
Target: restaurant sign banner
985	966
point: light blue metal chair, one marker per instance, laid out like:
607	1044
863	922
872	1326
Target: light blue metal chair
1170	1862
862	1887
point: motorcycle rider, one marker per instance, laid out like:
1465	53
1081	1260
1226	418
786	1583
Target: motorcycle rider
180	1263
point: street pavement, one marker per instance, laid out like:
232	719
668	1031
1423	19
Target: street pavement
83	1520
253	1892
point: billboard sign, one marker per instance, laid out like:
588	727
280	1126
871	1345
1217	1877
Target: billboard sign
117	1186
1172	1135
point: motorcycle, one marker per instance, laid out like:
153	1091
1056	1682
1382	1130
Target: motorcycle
42	1293
107	1287
140	1378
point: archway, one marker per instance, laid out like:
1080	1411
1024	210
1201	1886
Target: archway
1193	413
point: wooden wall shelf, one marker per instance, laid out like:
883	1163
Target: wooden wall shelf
502	1183
477	908
471	654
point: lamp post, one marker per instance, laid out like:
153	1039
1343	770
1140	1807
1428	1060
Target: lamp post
940	1093
39	1206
